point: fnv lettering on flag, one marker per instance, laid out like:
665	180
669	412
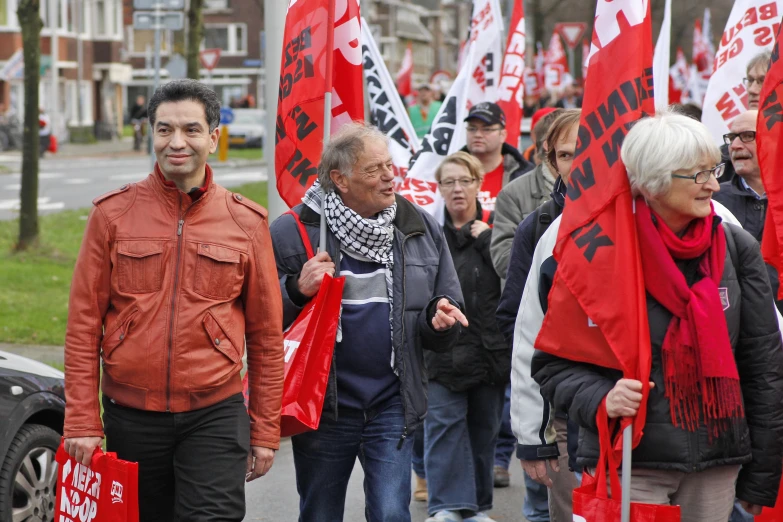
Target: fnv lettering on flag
750	29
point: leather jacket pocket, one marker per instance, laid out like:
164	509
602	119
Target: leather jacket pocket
219	338
218	270
139	266
112	339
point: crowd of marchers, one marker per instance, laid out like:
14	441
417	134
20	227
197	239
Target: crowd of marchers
434	367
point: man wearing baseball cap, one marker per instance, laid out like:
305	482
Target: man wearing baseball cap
486	137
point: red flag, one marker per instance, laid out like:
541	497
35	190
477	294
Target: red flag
701	52
769	133
555	63
539	64
405	74
585	54
307	72
597	310
678	77
512	89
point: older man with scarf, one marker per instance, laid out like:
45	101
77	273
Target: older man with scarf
714	426
401	295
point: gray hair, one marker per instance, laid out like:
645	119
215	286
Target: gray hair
657	146
762	59
343	150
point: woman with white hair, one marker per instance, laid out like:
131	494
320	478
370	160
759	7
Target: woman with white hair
715	411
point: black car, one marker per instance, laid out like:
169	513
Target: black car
32	410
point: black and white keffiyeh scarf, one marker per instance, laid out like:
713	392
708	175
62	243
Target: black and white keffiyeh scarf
370	239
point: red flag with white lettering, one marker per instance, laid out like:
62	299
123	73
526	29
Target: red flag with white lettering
587	319
555	64
405	74
512	89
304	82
769	133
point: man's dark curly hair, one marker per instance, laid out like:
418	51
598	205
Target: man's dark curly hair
187	89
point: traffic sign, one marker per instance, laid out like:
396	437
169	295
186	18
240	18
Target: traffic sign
226	115
149	20
571	32
177	66
209	58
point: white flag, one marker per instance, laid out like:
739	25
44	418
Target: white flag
446	136
386	109
661	60
486	44
749	31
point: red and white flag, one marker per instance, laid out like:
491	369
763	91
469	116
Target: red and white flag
707	43
511	90
540	64
555	64
585	59
750	29
661	59
588	320
304	81
405	74
386	110
485	46
769	134
678	77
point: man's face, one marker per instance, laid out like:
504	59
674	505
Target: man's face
425	96
743	155
568	91
483	138
755	79
370	187
182	139
565	149
140	100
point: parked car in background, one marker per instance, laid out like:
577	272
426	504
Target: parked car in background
32	409
248	128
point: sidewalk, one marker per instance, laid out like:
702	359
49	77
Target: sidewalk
44	354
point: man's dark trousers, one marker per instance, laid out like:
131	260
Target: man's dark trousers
191	465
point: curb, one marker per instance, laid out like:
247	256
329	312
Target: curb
40	353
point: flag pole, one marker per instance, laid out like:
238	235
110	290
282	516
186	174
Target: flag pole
327	109
625	505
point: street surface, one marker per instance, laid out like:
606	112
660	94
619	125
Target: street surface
273	498
75	182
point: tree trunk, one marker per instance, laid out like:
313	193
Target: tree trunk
195	36
31	24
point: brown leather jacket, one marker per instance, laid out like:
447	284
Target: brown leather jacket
167	292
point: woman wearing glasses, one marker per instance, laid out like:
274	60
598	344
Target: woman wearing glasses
467	384
714	425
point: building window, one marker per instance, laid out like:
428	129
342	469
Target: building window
230	38
216	4
100	17
142	39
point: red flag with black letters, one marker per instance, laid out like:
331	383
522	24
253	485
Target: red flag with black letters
304	81
512	87
769	133
597	311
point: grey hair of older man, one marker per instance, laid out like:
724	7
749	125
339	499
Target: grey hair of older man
344	149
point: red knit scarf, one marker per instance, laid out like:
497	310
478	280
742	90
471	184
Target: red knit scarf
698	364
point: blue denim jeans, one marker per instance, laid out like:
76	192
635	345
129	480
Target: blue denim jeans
325	458
740	515
459	446
507	443
417	457
536	505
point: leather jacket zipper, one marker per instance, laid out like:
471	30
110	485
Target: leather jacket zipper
180	225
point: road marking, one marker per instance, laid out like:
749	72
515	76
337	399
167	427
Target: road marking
43	204
76	181
50	175
131	177
14	186
241	176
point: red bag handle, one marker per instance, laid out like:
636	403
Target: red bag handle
607	457
303	233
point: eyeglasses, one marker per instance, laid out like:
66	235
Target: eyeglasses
744	136
750	81
375	170
482	130
703	176
450	183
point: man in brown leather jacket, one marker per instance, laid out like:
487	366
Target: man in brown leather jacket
175	277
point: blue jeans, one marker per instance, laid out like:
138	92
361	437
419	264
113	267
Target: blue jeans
740	515
417	458
536	506
460	434
325	458
507	443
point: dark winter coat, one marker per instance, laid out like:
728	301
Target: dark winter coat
422	274
481	355
756	341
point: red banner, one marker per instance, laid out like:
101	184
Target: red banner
512	89
405	75
303	84
769	133
597	310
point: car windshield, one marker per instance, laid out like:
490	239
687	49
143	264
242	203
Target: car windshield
249	117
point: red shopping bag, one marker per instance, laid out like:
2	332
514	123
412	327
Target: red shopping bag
106	491
53	144
774	514
592	502
309	346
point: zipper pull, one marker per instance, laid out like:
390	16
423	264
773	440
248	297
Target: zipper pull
179	228
402	438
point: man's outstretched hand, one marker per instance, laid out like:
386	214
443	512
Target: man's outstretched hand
447	316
